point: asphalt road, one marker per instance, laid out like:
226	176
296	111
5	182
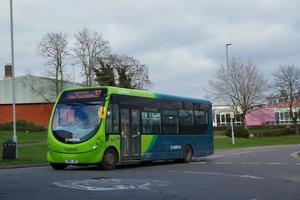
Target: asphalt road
252	174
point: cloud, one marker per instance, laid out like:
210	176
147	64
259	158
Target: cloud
182	42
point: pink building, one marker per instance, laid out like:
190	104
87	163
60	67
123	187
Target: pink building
261	116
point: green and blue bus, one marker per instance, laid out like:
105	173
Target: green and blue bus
109	125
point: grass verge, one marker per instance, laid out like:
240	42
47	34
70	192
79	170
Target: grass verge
225	143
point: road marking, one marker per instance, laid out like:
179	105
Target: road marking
103	184
250	163
218	174
198	163
296	154
271	163
223	163
297	163
216	156
238	153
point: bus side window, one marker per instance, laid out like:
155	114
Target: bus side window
151	122
112	119
169	121
201	121
186	121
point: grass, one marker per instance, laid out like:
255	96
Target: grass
24	138
35	154
32	147
225	142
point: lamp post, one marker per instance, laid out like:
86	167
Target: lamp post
13	76
231	114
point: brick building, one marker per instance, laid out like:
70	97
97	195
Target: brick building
34	98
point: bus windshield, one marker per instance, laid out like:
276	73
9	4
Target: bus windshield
76	120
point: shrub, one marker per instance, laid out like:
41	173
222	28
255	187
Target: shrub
22	125
274	132
239	132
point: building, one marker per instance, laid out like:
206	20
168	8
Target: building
274	113
34	98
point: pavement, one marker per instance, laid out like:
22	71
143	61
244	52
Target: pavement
251	174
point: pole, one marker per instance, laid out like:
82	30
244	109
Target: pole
231	117
232	132
13	75
73	75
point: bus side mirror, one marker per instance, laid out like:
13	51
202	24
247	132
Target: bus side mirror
102	113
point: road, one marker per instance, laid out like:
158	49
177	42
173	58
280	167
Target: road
251	174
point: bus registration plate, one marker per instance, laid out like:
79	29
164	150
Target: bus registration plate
71	161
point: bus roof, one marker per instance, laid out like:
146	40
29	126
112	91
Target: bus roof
143	93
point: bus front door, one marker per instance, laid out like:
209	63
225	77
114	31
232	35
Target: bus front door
130	133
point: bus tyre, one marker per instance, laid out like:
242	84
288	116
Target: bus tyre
187	154
109	160
58	166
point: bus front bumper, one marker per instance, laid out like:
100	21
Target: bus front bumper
84	158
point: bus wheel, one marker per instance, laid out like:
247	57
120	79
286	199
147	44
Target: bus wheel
58	166
109	160
187	154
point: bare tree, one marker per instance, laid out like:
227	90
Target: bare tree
238	85
287	85
53	47
89	48
123	71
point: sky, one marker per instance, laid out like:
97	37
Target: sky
182	41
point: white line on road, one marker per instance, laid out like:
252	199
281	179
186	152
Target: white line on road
243	152
223	163
297	163
250	163
216	156
274	163
217	174
198	163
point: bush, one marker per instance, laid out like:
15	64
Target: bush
274	132
220	128
22	125
239	132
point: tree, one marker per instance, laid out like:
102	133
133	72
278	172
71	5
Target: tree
105	73
287	84
53	47
89	49
123	71
238	85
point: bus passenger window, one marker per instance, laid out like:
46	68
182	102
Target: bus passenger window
151	122
169	121
112	119
201	121
186	121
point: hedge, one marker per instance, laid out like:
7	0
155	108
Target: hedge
22	125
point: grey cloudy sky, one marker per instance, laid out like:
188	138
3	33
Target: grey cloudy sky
182	41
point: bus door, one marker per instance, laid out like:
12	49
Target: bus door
130	133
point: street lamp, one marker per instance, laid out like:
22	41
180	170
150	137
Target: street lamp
231	114
13	76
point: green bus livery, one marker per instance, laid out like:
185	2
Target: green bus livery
110	125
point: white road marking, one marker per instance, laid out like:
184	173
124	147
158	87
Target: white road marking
198	163
223	163
103	184
216	156
274	163
296	154
297	163
250	163
243	152
217	174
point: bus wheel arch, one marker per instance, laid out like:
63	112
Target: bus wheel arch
110	158
187	153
